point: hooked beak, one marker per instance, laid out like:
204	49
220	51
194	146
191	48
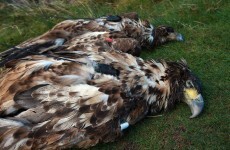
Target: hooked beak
196	106
175	37
179	37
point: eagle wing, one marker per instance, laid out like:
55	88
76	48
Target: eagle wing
89	41
75	98
65	31
46	101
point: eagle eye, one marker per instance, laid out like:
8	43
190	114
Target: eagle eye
189	84
170	29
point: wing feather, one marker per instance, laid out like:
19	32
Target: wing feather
36	70
54	107
68	113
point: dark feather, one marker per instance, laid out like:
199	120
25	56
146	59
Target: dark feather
113	18
16	53
107	69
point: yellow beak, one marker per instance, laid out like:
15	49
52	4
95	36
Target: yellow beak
196	106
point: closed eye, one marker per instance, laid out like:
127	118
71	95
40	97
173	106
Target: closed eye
170	29
189	84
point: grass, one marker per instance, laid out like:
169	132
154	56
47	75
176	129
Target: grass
204	23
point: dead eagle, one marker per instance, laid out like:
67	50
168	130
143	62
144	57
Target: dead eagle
87	98
123	30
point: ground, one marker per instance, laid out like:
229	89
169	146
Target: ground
205	26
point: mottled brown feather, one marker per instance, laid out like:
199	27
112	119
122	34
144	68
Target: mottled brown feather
50	103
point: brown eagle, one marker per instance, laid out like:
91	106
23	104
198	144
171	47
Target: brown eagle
78	99
126	33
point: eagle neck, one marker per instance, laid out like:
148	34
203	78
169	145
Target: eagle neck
164	85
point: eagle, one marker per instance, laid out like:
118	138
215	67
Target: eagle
125	33
79	99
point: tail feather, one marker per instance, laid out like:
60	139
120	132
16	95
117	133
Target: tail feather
16	53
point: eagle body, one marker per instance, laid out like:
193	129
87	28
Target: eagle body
72	29
126	33
69	29
53	103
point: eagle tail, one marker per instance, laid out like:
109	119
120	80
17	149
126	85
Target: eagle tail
17	53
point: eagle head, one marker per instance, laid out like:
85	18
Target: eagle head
192	95
189	87
163	34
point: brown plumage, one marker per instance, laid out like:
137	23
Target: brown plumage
128	33
78	99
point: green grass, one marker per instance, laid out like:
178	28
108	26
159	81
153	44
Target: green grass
205	25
